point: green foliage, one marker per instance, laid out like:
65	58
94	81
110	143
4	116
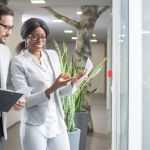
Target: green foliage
69	110
79	94
74	102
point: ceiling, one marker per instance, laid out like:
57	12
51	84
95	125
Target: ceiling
67	8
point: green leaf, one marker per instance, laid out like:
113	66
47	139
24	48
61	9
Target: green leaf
97	69
59	54
93	91
64	57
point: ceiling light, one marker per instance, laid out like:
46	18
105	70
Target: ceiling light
57	20
123	26
122	35
79	12
94	35
38	1
74	38
120	41
93	40
145	32
68	31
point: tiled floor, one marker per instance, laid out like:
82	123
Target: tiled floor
99	140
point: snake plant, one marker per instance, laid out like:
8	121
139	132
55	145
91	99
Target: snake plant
73	103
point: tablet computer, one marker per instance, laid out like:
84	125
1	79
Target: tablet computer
8	99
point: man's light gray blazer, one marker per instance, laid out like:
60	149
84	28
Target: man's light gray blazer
29	80
5	57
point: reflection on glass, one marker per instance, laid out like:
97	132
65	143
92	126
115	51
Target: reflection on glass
146	74
124	76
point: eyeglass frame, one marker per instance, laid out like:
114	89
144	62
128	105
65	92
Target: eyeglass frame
7	27
44	38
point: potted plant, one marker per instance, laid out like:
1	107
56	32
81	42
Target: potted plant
82	116
74	102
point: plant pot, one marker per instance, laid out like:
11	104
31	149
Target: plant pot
81	122
74	139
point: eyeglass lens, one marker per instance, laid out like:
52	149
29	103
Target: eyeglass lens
7	27
36	37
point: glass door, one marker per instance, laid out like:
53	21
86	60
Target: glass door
127	77
120	84
146	74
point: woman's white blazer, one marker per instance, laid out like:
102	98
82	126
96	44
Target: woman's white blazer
28	80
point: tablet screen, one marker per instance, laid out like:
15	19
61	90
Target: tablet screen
8	99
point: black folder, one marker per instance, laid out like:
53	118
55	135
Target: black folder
8	99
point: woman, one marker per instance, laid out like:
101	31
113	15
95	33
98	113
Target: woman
36	73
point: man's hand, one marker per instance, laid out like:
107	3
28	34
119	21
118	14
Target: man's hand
20	104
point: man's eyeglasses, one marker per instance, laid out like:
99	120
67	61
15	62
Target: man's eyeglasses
7	27
35	37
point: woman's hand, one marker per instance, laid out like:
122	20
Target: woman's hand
20	104
61	81
79	75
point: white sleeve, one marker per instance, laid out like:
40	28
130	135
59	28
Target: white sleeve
20	84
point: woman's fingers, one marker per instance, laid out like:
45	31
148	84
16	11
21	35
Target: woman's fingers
62	80
65	77
80	74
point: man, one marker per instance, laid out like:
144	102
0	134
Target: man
6	26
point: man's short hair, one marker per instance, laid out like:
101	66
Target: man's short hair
5	10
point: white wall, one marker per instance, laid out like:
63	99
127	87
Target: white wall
15	37
98	54
12	118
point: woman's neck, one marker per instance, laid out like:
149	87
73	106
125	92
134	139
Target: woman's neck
37	55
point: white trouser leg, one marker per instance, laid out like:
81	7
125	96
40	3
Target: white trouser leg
31	139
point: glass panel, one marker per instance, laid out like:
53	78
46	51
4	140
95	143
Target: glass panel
120	94
124	76
146	74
